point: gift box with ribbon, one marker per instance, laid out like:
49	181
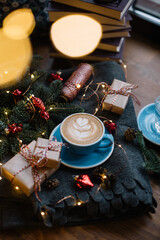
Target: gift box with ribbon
116	96
27	172
49	151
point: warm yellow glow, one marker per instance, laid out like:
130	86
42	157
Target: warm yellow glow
0	163
0	178
79	203
6	113
19	24
17	188
42	213
76	35
103	85
15	47
32	76
104	176
78	85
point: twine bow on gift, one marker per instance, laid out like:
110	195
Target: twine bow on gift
37	163
125	91
41	156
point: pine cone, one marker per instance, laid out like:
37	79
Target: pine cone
52	183
130	134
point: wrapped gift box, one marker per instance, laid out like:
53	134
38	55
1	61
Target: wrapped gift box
24	176
52	154
116	102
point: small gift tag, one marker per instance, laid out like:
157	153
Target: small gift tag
47	151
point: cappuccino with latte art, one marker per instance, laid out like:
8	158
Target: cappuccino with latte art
82	129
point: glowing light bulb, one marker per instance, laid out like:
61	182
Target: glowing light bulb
32	76
0	178
0	164
43	133
119	145
0	140
51	108
103	85
17	188
79	203
6	113
84	95
78	85
42	213
104	176
7	91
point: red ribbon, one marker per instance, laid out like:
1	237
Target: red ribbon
126	91
35	164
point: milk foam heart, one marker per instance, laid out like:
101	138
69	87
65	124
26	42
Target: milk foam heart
82	129
81	121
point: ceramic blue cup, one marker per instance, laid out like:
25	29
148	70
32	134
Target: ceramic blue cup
99	143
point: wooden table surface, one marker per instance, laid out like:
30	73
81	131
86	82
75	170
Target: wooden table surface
142	57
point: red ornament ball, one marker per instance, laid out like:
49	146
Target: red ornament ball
111	126
55	77
17	92
15	128
83	181
44	115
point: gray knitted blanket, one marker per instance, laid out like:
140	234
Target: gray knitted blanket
130	196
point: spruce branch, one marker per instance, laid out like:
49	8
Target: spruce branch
25	112
152	160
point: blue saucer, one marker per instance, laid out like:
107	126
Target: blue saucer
73	160
145	120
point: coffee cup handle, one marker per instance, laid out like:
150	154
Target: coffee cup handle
105	142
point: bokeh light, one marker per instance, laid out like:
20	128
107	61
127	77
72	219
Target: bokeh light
15	46
76	35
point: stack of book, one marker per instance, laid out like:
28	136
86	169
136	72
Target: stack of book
113	17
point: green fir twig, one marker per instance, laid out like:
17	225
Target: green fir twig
152	160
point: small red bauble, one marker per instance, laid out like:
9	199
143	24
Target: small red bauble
44	115
55	77
38	103
111	126
17	92
83	181
15	128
